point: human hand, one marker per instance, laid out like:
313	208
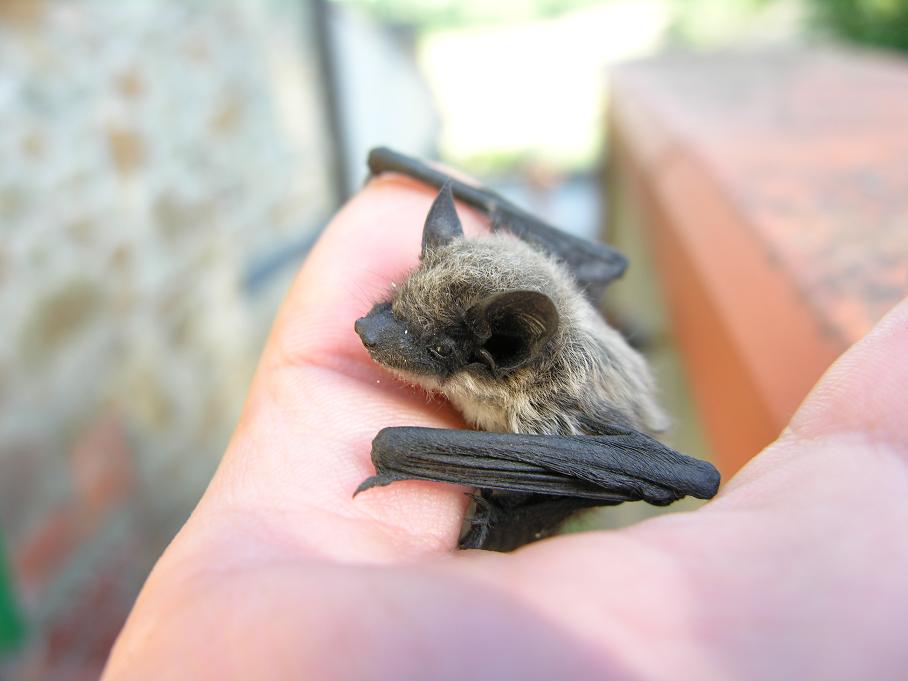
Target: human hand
797	570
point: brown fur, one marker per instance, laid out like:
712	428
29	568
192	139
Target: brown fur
587	375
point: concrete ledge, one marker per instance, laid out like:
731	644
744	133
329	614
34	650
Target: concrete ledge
774	190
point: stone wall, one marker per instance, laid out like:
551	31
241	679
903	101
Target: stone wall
151	152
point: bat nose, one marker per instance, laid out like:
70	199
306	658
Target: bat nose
379	328
361	326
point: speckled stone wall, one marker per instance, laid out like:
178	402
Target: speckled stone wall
150	153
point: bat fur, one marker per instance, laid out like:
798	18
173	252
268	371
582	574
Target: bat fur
501	326
585	373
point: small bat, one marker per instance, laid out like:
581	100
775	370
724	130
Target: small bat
503	326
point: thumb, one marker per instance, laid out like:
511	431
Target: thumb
851	432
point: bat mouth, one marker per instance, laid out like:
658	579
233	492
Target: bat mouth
404	366
428	382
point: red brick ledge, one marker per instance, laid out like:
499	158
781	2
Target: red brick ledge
768	278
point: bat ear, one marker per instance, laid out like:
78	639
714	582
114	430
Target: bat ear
442	224
512	328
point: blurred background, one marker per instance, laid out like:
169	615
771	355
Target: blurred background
165	165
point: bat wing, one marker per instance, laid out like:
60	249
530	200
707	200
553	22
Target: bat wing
594	265
529	484
624	465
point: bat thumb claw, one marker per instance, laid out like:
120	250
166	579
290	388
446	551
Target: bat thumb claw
379	480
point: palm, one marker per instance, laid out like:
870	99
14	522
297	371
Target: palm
797	570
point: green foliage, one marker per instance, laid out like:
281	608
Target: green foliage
11	626
713	23
883	23
429	14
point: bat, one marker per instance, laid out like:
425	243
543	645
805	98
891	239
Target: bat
504	326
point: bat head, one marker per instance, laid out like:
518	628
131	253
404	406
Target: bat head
473	306
504	332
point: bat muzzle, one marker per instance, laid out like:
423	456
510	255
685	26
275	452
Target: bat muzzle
389	342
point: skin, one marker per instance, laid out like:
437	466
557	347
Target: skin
797	570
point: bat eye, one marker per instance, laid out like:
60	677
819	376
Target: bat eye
440	350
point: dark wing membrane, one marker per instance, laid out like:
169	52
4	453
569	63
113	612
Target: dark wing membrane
625	466
594	265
